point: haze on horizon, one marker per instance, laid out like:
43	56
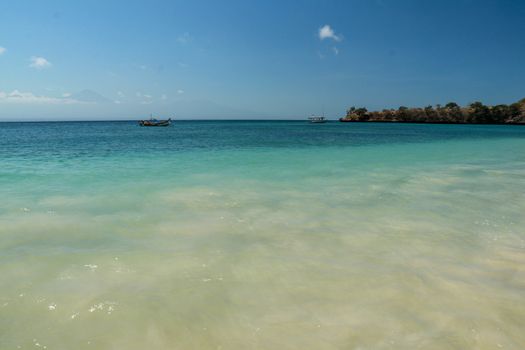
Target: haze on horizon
266	59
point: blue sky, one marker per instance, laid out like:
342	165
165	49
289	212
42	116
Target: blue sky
254	59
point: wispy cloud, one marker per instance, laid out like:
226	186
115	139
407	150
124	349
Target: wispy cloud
18	97
146	99
39	63
120	94
179	91
184	38
336	50
164	97
2	50
326	32
90	96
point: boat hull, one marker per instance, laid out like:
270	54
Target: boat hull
317	119
155	123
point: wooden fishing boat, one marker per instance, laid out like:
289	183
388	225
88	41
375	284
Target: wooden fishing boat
155	122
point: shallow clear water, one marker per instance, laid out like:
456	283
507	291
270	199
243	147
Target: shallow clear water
261	235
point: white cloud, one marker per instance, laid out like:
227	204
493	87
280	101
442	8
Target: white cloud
179	91
184	38
146	96
66	94
117	102
326	32
2	50
18	97
120	94
336	50
146	102
164	97
39	63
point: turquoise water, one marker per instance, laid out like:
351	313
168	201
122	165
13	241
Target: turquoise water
261	235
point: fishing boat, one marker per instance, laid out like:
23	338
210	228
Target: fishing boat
317	119
154	122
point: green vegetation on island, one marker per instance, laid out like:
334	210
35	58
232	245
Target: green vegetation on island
451	113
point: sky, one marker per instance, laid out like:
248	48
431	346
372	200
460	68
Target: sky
81	60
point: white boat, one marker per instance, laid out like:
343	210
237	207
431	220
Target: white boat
317	119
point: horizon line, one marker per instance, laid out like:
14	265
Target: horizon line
136	120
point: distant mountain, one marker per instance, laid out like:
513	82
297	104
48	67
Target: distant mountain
207	109
90	96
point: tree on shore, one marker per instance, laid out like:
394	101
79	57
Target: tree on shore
476	113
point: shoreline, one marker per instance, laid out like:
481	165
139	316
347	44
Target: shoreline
451	113
424	122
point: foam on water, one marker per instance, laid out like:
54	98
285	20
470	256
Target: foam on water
389	245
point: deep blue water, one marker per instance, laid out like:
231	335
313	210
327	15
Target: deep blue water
85	139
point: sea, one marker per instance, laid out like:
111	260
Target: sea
261	235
